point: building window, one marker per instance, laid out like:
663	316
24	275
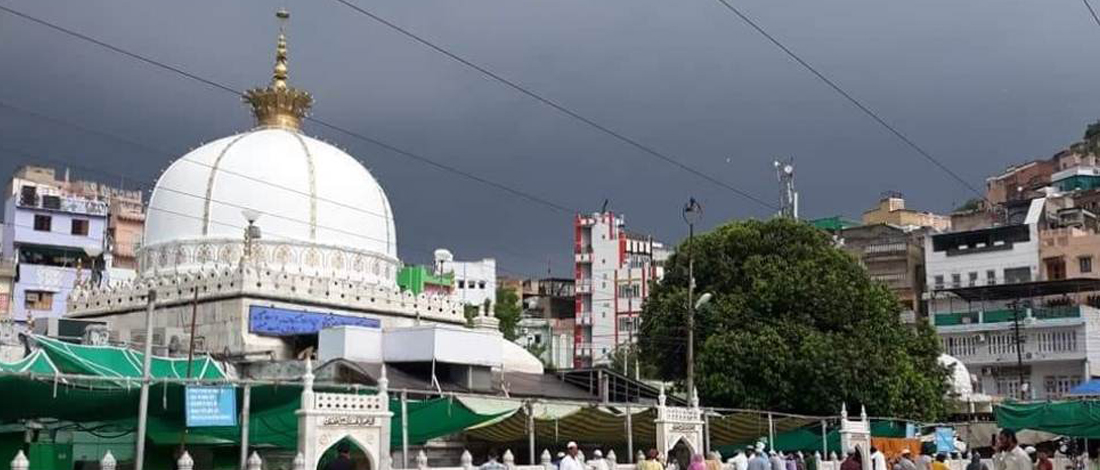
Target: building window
481	284
1058	385
1085	263
80	227
956	280
1014	275
461	284
939	281
990	277
38	300
42	223
973	279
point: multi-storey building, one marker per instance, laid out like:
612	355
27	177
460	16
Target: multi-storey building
1019	182
475	281
891	210
614	269
549	308
125	219
1015	302
56	238
894	256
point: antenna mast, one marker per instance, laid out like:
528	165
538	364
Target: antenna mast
788	197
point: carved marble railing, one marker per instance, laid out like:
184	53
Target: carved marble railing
263	283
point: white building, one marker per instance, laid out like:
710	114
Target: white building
322	252
475	281
983	283
613	271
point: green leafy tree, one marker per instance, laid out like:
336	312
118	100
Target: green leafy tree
796	325
970	205
537	350
508	312
630	355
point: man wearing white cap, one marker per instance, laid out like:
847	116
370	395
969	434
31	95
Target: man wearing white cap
597	462
570	461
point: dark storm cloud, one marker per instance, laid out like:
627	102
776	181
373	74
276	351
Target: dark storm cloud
980	84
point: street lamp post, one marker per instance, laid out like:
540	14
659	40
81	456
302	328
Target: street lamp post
692	212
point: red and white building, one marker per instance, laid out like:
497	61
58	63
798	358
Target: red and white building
614	269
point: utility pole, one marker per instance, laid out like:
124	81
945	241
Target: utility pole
1019	348
692	212
147	364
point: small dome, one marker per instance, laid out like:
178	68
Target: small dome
959	376
518	359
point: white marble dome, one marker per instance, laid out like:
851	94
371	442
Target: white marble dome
319	209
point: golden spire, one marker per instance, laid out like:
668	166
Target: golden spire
278	104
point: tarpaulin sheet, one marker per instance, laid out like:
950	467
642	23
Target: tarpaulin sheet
111	361
1067	418
37	362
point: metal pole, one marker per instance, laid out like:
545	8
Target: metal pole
143	401
531	432
824	439
404	429
190	358
1019	348
629	436
691	315
771	432
246	415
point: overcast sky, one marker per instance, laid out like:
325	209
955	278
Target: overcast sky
980	84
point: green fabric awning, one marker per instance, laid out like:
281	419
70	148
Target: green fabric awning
1067	418
111	361
37	362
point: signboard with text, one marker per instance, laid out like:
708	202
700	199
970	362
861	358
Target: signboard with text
210	406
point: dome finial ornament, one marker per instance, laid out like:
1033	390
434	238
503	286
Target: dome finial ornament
279	105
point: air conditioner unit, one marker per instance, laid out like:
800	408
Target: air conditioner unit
1027	355
166	341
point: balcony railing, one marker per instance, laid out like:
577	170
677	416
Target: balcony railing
1006	315
63	204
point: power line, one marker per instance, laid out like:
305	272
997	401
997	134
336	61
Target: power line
503	187
848	96
557	106
1092	12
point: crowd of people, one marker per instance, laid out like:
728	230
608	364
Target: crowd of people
1008	455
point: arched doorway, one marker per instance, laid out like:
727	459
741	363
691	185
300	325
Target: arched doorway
681	454
359	458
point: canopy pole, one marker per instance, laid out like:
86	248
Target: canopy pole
706	433
771	433
404	429
147	363
246	416
629	436
531	432
824	439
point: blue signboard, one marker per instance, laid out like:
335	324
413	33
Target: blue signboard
273	321
210	406
945	440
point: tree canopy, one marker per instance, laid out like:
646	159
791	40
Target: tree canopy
508	312
796	325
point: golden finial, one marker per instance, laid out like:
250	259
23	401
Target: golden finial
279	105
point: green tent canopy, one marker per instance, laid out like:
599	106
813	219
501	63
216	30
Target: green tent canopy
38	362
112	361
1079	419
